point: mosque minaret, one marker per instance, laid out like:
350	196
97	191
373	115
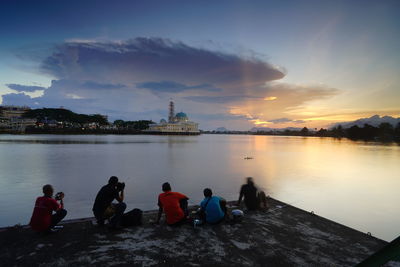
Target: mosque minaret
177	124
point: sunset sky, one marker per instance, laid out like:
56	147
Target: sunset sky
233	64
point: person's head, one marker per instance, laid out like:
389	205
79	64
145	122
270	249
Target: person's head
250	180
113	180
166	187
207	192
48	190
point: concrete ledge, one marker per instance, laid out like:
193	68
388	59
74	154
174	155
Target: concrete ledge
281	236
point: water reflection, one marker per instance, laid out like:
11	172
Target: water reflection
98	140
354	183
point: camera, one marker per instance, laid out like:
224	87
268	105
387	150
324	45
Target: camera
59	195
120	186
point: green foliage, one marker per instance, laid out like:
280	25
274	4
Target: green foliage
64	115
133	125
397	132
119	123
322	132
304	131
384	132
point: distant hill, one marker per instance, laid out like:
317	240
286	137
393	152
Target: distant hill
221	130
375	121
65	115
267	129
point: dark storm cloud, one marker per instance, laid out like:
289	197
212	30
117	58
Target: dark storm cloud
282	120
59	93
24	88
219	99
19	99
130	79
155	59
174	87
106	86
217	116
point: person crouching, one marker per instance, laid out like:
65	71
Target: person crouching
103	208
43	219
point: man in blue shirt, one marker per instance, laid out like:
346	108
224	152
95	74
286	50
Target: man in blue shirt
213	207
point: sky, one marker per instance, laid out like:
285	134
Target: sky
232	64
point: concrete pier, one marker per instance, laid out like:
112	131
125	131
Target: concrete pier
281	236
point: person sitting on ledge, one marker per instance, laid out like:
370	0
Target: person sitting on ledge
253	198
174	204
43	219
103	208
212	208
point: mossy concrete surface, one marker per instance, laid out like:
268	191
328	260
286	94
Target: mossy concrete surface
280	236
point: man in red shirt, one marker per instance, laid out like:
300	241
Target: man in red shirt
43	219
174	205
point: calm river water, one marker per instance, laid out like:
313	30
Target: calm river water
353	183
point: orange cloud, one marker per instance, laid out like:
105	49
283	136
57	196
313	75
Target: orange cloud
260	122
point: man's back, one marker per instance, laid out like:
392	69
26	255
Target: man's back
170	202
104	198
249	192
41	217
213	209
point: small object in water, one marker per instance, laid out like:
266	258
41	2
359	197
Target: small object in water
248	158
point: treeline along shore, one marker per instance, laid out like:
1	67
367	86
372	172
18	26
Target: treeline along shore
23	120
384	132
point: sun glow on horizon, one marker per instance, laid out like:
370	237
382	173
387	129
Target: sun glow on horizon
270	98
258	122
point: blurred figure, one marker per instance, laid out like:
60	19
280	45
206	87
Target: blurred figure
174	204
212	208
103	208
253	198
43	219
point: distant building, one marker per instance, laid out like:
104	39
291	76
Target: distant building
11	119
177	124
10	112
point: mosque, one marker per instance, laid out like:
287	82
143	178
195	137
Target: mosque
177	124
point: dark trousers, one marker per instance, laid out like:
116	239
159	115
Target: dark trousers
222	204
119	211
262	200
57	217
116	218
184	206
254	203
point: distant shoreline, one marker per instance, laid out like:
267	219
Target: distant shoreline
135	132
76	131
